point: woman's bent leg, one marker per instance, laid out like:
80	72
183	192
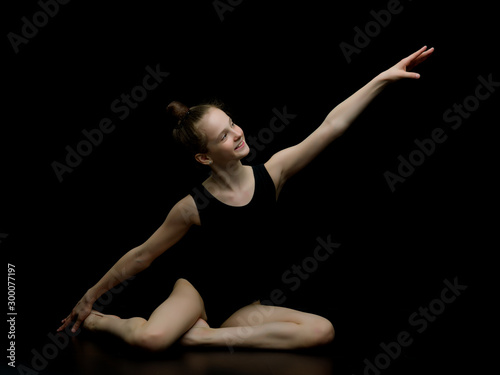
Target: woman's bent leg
269	327
167	323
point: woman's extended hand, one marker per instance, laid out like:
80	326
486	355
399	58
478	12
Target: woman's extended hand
80	312
403	68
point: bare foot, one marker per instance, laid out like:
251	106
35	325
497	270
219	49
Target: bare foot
199	334
95	319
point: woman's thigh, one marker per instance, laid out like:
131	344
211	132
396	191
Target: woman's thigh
177	313
256	314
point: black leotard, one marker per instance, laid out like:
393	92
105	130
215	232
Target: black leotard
233	263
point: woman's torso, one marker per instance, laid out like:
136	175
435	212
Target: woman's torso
235	243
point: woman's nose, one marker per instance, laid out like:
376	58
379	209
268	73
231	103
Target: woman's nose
238	133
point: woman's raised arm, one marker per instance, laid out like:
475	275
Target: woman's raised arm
176	225
287	162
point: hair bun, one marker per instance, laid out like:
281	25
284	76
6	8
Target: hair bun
176	112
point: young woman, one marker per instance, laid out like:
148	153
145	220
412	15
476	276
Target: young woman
231	202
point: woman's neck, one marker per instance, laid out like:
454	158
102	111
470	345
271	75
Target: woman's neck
229	177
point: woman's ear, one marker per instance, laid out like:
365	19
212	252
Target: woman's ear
203	159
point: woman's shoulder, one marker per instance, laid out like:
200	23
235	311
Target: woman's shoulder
187	209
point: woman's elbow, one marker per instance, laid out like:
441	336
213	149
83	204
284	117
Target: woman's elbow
142	257
336	128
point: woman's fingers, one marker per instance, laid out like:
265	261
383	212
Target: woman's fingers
411	75
407	64
76	326
424	55
415	54
63	326
65	322
417	58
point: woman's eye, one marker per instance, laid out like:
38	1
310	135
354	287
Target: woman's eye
224	137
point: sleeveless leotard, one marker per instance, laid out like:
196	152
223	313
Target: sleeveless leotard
231	270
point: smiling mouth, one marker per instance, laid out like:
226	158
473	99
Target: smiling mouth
240	145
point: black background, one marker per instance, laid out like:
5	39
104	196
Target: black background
396	249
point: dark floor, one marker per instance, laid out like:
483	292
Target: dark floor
90	357
91	360
95	356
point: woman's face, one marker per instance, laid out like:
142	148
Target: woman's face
225	139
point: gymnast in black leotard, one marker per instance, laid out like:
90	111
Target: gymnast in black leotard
233	208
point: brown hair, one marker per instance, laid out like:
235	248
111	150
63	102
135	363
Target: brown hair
185	122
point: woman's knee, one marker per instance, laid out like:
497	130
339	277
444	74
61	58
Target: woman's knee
182	281
151	340
140	335
320	331
184	288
